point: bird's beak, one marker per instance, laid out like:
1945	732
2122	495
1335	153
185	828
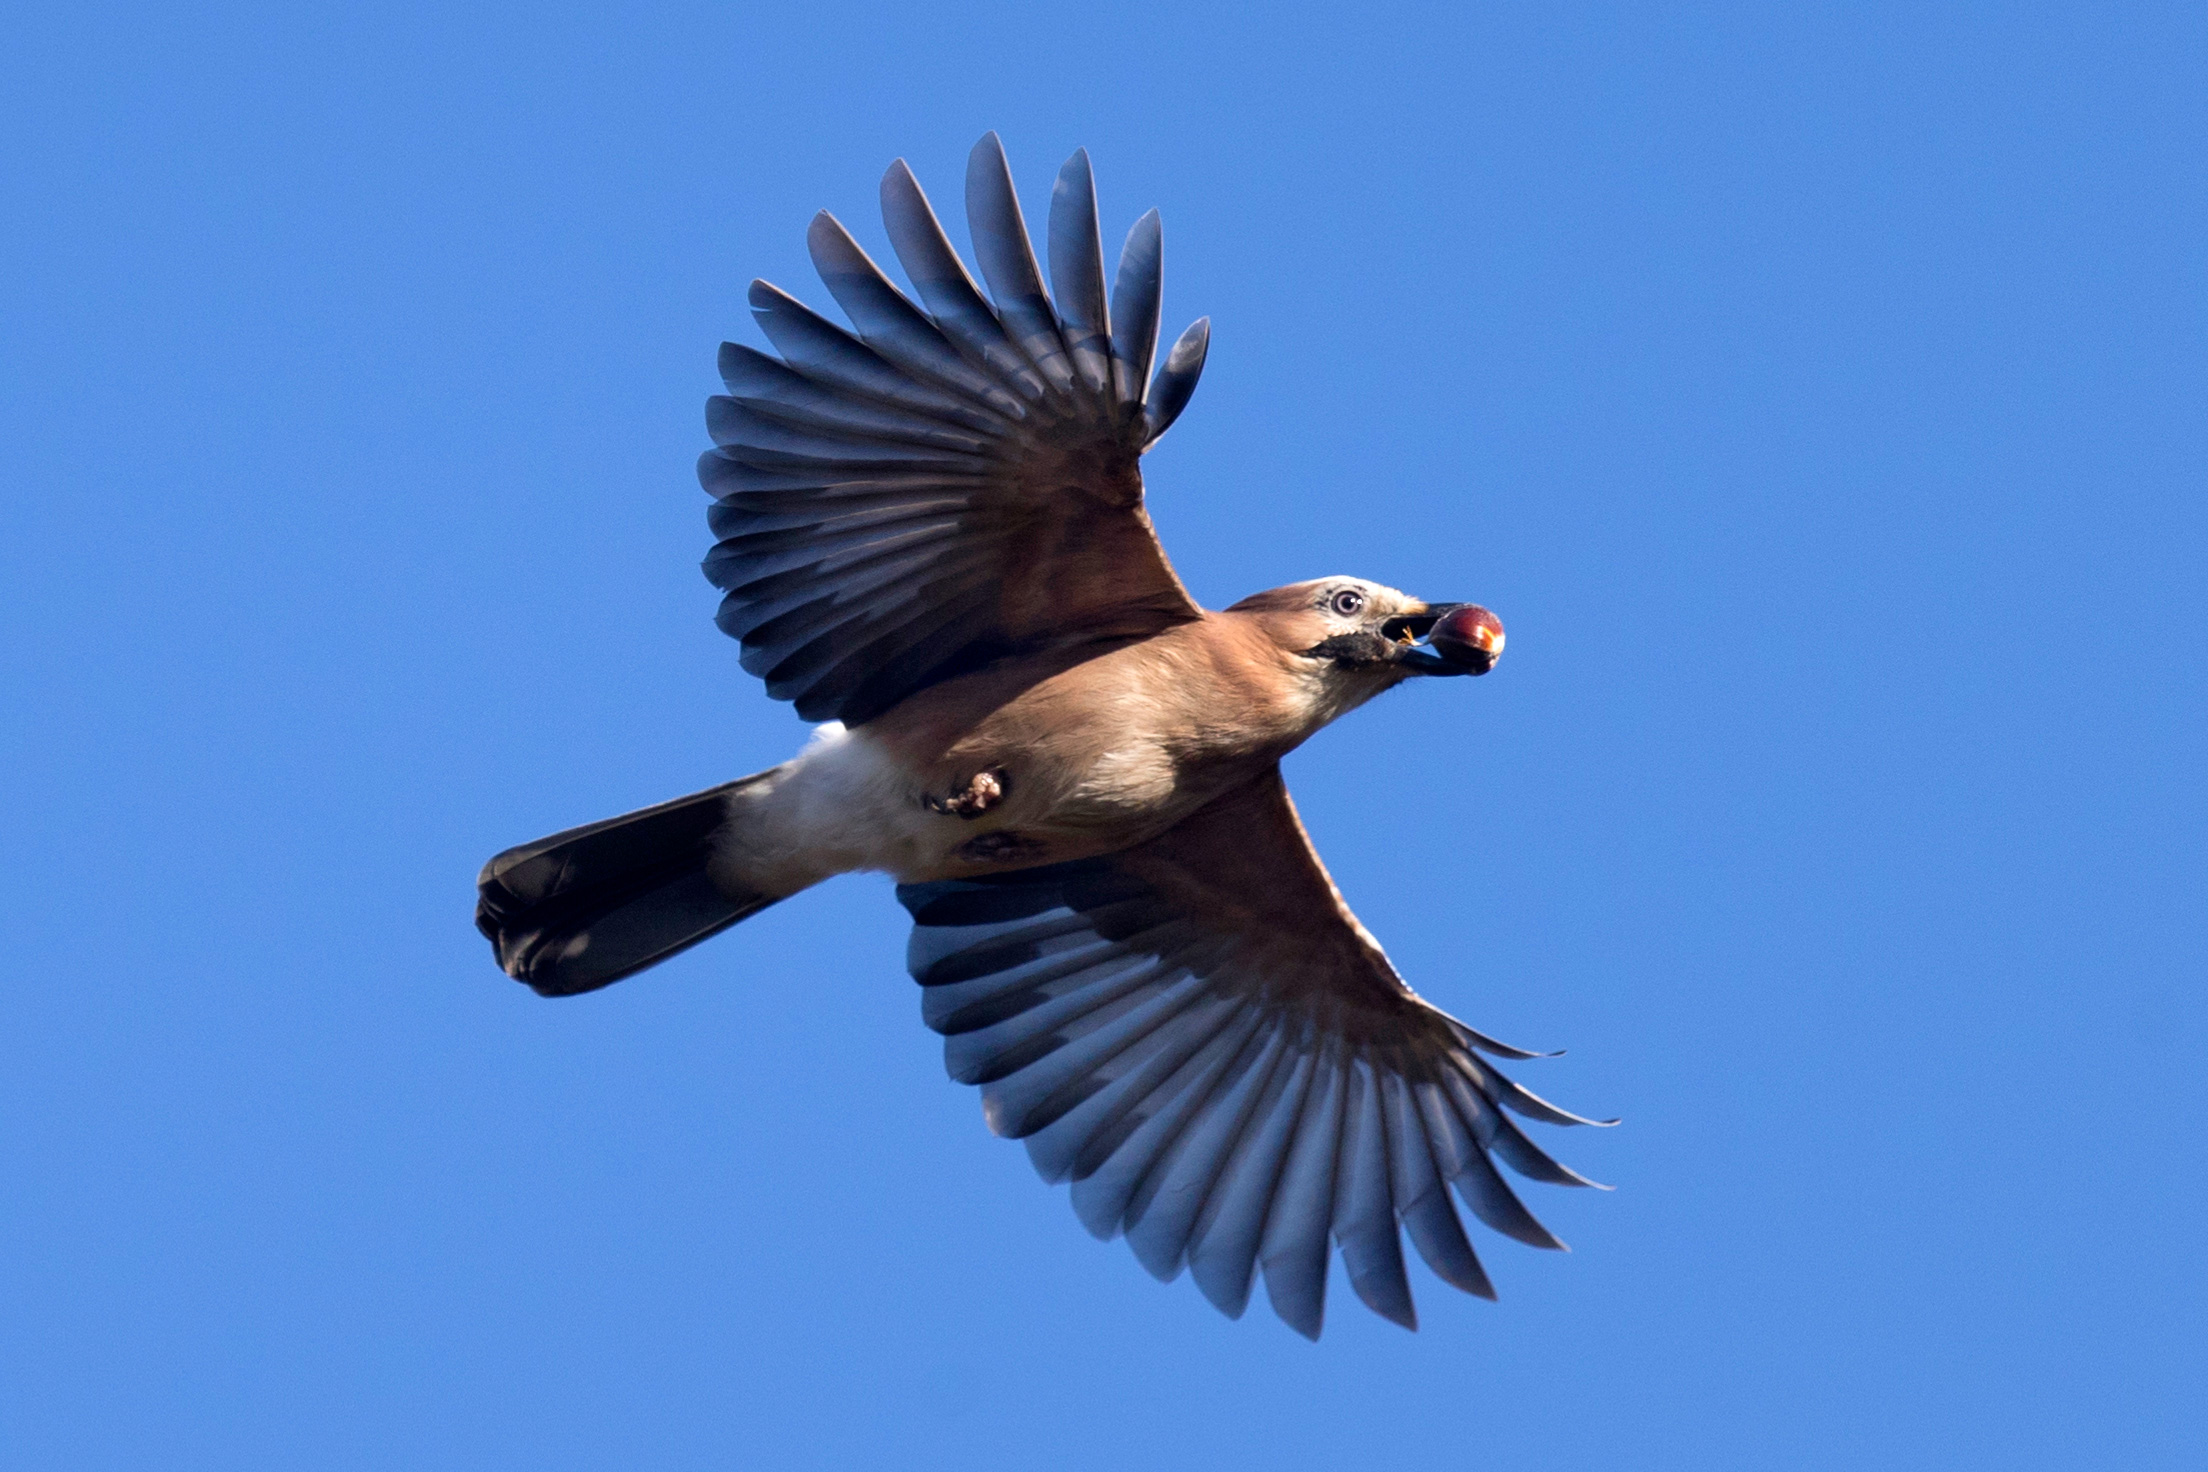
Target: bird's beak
1446	639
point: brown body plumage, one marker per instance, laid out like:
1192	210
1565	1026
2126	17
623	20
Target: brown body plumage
1076	752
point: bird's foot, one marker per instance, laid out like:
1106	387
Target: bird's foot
983	791
1003	848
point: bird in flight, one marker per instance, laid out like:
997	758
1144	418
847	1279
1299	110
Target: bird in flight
932	540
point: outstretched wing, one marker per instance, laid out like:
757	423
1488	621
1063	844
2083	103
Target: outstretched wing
938	488
1200	1036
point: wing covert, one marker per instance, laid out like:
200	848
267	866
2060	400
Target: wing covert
1200	1037
943	485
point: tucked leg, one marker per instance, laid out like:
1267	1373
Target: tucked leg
983	791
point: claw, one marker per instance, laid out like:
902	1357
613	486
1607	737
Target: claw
983	791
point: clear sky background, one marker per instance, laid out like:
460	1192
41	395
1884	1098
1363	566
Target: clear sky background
1816	391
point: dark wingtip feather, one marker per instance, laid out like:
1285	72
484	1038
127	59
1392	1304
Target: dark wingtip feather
1135	301
1007	258
1379	1294
1494	1203
1519	1099
1511	1146
1176	381
1496	1048
1076	252
1297	1302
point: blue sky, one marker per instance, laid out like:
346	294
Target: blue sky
1816	392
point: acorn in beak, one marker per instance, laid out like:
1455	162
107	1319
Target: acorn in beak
1447	639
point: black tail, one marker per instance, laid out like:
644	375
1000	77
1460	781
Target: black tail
582	909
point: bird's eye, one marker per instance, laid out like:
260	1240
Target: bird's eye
1348	602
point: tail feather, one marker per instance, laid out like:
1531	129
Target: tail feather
584	908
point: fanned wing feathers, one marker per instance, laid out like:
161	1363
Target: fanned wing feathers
1200	1036
938	488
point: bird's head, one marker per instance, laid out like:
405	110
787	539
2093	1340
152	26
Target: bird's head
1363	637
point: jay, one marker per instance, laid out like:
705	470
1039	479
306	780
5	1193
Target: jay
932	540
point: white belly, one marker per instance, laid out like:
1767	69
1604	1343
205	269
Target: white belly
839	805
